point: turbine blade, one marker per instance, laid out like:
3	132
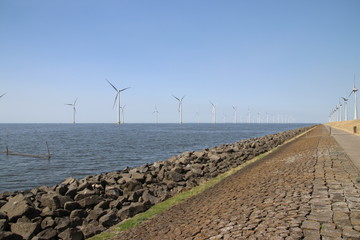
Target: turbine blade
75	101
176	98
2	95
116	98
182	98
124	89
112	85
354	81
351	93
69	104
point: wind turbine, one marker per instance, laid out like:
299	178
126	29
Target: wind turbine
122	112
213	111
74	108
117	97
345	108
157	114
340	108
249	115
235	114
180	107
354	90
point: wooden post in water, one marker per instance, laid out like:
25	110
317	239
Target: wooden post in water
47	148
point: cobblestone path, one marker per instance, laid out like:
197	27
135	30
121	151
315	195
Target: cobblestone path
335	201
307	189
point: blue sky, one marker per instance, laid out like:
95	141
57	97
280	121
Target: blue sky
285	58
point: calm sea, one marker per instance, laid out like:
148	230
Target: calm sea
87	149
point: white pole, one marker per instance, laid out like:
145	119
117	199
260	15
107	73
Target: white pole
74	113
355	112
181	112
340	108
119	111
346	110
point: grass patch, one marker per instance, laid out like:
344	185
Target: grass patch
165	205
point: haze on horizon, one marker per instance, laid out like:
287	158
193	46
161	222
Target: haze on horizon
293	59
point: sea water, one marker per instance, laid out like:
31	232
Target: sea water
79	150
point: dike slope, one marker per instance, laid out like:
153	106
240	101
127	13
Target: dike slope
78	209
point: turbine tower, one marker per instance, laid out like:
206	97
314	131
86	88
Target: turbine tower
340	108
213	111
117	97
74	108
345	108
180	107
354	90
157	114
235	114
122	112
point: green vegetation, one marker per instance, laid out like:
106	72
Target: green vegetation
163	206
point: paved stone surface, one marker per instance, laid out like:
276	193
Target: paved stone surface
308	189
349	142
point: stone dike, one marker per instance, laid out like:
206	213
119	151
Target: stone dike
81	208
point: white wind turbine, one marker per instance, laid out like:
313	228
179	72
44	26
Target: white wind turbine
213	111
249	115
345	108
156	112
354	90
180	107
340	109
117	97
235	114
74	108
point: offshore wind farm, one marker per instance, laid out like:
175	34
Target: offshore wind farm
340	111
257	56
204	90
263	66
